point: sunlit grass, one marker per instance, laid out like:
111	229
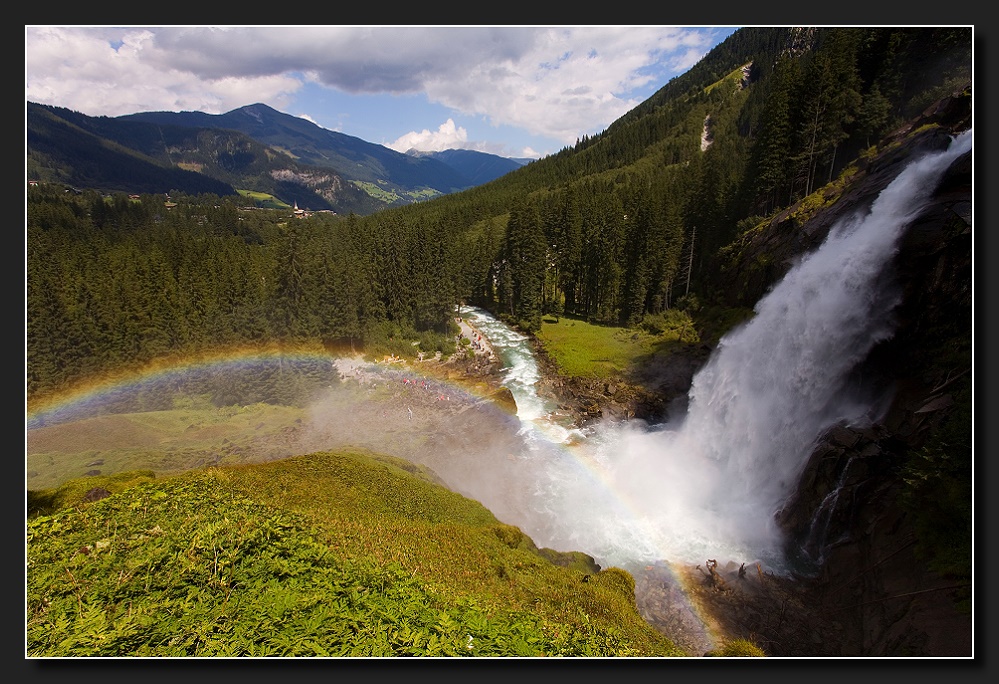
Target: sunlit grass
264	199
588	350
592	351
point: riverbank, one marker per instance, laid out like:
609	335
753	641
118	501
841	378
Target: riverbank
479	344
475	368
648	392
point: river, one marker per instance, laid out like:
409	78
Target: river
541	418
574	493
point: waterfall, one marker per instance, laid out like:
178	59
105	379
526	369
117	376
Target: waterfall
708	487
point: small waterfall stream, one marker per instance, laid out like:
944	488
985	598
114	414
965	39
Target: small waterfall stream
540	417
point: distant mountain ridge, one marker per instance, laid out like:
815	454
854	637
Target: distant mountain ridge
254	148
67	147
478	167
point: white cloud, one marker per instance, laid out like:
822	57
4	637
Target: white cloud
105	72
585	75
446	137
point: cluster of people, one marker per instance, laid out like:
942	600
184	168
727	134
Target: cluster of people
477	343
435	389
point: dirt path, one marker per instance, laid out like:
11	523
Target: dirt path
480	344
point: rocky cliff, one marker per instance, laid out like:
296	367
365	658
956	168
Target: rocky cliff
875	581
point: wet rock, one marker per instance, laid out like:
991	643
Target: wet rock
504	397
842	436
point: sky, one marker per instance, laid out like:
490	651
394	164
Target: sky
515	91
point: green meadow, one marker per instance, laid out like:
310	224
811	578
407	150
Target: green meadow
264	200
590	350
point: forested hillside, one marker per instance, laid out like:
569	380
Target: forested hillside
117	284
621	226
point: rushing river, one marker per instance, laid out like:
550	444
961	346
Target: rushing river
540	417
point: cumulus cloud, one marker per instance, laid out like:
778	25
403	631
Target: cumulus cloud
110	72
446	137
584	74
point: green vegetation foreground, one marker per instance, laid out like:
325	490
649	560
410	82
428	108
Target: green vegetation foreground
346	554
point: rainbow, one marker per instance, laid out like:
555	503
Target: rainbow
89	396
92	396
654	569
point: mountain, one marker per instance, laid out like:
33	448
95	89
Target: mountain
253	148
112	154
392	177
478	167
67	147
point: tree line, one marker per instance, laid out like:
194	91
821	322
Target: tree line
623	225
115	282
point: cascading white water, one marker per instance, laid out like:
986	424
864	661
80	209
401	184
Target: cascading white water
520	376
709	487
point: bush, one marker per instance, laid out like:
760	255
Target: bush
672	324
738	648
431	342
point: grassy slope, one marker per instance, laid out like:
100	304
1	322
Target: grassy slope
587	350
168	442
328	554
592	351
